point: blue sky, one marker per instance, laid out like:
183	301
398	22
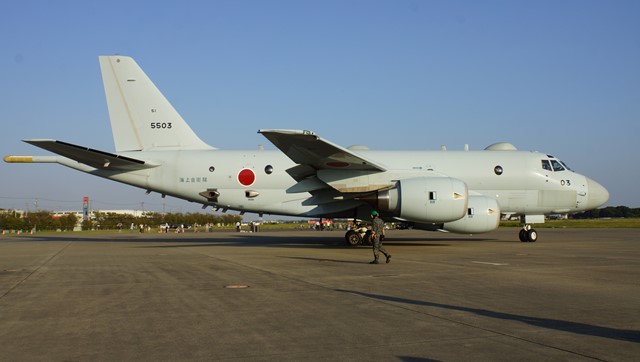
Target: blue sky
561	77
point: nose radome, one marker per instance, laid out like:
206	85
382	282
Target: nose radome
597	194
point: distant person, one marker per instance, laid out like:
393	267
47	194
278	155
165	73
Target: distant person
377	231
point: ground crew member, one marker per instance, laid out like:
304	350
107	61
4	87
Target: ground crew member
377	230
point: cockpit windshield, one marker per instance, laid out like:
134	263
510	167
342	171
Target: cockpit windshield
565	165
557	166
554	165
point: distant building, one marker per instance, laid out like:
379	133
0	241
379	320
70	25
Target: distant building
92	213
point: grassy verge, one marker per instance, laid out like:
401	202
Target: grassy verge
590	223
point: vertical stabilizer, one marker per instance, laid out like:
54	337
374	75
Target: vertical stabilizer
141	117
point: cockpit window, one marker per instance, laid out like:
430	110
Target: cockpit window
557	166
546	165
565	166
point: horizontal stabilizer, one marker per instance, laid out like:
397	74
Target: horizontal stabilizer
91	157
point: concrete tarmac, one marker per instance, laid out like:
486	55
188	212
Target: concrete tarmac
304	295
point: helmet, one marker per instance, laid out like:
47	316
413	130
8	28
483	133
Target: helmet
374	213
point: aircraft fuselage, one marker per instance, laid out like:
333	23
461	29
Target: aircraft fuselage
523	186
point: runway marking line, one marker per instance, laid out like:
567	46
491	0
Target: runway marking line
488	263
236	286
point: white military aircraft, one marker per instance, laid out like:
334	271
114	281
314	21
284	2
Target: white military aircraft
457	191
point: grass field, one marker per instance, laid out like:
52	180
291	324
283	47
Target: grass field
589	223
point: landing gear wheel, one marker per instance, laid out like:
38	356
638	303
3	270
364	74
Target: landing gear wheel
353	238
528	234
523	235
532	235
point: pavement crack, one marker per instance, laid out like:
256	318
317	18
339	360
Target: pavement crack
34	271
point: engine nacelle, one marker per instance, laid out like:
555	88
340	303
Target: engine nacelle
426	199
483	215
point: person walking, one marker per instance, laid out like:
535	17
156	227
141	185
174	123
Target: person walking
377	231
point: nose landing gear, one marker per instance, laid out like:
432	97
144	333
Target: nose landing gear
528	234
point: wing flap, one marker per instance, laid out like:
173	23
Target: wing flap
94	158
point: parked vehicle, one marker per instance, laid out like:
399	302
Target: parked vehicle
360	235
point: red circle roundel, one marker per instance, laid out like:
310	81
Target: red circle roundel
246	177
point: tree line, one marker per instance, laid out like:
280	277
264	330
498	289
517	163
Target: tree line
45	220
37	220
112	221
609	212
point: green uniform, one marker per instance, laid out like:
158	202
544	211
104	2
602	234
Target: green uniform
377	226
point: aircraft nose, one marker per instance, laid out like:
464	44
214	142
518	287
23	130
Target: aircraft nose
597	194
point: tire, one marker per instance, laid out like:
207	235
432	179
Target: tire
523	235
353	238
532	235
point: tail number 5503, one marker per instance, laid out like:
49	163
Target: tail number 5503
160	125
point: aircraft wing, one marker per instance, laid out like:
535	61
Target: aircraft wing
91	157
309	150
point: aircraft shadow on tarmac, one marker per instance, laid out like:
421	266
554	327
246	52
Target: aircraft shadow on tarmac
323	260
560	325
305	240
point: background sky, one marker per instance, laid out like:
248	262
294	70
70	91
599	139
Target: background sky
561	77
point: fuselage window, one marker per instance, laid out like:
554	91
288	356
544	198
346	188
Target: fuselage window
546	165
557	166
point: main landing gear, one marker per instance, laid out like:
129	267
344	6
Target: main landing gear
528	234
